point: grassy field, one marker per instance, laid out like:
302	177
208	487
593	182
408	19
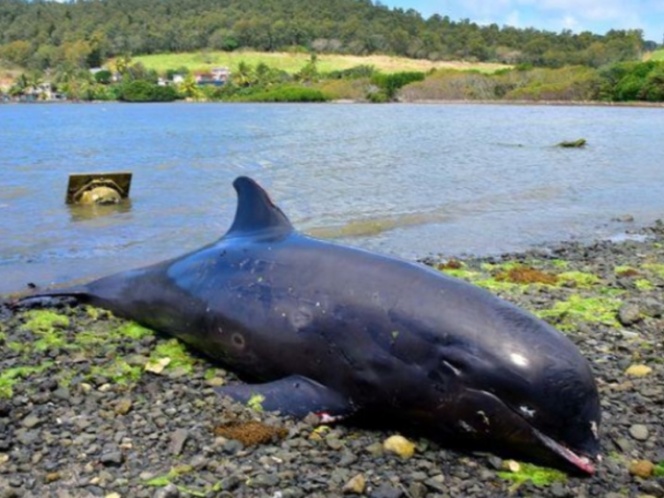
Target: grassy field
657	55
293	62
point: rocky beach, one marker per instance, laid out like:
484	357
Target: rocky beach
95	406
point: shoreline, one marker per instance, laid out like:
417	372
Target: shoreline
553	103
86	419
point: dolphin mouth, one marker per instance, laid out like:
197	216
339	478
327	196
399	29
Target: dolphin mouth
581	462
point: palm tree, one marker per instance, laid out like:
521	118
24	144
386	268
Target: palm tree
244	75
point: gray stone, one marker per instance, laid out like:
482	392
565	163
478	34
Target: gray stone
26	437
31	421
437	483
112	458
559	490
264	481
652	488
623	444
629	314
347	458
168	491
386	491
178	439
417	490
232	446
231	482
639	432
652	307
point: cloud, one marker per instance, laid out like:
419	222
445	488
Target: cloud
597	16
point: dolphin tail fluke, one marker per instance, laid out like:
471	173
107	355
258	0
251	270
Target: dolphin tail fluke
295	396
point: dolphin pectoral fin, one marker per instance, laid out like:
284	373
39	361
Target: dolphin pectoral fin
295	396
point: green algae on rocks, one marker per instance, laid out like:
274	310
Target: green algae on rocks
527	472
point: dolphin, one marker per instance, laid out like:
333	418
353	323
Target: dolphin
340	331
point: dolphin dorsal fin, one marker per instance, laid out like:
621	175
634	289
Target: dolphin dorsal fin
256	212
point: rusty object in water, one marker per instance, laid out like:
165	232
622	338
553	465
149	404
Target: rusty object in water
98	188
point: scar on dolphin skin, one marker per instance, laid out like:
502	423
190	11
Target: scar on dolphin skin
391	338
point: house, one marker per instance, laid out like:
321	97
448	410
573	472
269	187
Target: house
217	77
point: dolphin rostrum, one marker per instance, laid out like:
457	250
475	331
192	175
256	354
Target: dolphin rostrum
337	331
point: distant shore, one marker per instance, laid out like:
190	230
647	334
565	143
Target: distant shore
577	103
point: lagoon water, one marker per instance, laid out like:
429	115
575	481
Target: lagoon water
409	180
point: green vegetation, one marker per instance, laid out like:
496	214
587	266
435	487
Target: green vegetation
45	324
659	469
144	91
513	277
9	377
655	268
45	321
132	330
564	314
306	51
283	93
256	402
118	371
40	35
573	144
578	279
101	341
389	84
177	353
629	81
174	473
539	476
291	62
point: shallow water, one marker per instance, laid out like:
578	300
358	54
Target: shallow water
410	180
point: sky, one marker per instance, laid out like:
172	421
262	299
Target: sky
597	16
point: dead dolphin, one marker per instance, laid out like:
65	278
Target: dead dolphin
336	331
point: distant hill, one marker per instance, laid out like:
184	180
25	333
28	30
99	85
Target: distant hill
48	34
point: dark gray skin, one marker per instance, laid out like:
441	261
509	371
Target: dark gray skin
336	331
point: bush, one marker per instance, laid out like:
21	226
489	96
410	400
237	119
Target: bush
104	76
355	72
391	83
633	81
286	93
144	91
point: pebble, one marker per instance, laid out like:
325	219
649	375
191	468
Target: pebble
374	449
629	314
264	481
355	485
178	439
400	446
417	490
31	421
641	468
638	370
437	483
112	459
168	491
386	491
123	406
639	432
